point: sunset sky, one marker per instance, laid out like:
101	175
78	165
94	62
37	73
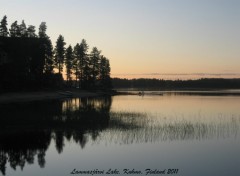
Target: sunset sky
144	38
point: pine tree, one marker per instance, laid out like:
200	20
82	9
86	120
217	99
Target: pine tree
86	81
60	53
3	27
48	48
23	29
83	60
15	30
31	31
94	65
42	30
69	62
104	73
81	64
49	62
75	63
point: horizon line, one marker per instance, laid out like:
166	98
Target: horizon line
179	74
176	76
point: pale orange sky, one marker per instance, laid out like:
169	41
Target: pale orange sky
141	37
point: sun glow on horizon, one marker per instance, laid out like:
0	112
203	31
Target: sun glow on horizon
176	76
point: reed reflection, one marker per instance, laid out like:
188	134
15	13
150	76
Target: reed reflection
142	128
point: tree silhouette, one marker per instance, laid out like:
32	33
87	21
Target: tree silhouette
42	30
80	61
94	65
48	56
86	77
3	27
31	31
15	30
23	29
69	62
60	53
48	48
75	64
104	73
83	59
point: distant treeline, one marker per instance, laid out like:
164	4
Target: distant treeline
29	61
160	84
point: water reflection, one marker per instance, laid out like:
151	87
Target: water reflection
21	148
28	129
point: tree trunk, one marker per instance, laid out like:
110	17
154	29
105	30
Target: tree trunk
59	70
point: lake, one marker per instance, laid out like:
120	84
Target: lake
180	133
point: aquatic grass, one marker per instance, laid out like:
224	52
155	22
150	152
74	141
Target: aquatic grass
134	127
125	120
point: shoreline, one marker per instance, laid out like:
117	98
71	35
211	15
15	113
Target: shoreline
18	97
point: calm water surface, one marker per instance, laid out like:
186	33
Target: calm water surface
196	134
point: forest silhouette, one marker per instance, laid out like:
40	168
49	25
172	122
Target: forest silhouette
160	84
29	61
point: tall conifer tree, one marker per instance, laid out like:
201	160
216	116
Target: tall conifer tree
69	62
31	31
60	53
48	48
3	27
23	29
42	30
15	30
94	64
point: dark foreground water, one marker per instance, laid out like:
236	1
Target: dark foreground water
171	134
